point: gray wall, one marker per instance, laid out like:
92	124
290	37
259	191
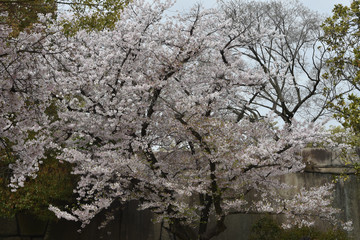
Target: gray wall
130	224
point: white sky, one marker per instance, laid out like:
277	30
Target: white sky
322	6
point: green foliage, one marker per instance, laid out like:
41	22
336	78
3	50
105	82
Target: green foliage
342	34
268	229
348	112
22	14
52	112
90	15
53	185
265	229
348	136
340	134
94	15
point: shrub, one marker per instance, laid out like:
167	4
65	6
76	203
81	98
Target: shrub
53	185
268	229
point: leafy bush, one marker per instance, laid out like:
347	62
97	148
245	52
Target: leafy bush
265	229
53	185
268	229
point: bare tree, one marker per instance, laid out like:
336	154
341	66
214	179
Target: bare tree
289	53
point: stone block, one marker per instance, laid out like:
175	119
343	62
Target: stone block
136	224
10	238
318	157
31	226
337	159
334	170
62	229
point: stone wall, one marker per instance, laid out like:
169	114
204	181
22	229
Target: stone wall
130	224
322	166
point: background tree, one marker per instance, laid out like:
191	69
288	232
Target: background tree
86	14
289	54
21	14
342	34
92	14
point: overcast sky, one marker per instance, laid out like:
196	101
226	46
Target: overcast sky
322	6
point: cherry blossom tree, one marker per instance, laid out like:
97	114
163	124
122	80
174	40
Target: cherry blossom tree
25	91
155	110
